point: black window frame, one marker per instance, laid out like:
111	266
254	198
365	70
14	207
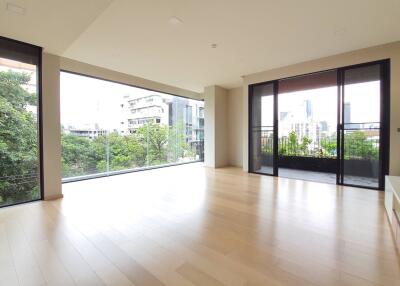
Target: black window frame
384	161
37	51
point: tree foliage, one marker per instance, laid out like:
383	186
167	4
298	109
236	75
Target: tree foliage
154	137
305	142
328	147
152	144
357	146
19	154
78	155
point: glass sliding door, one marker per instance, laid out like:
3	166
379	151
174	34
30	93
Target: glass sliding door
363	126
263	129
20	152
307	127
330	126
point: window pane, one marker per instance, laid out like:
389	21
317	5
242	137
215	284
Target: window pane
262	129
19	132
307	119
361	113
112	127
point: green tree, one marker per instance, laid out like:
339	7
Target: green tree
154	137
151	144
19	154
177	145
305	142
282	146
328	146
293	144
78	156
125	152
357	146
134	150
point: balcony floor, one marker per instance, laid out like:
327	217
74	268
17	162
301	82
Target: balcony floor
329	178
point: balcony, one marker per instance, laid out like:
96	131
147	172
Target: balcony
317	161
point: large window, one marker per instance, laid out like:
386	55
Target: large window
109	127
330	126
19	123
308	126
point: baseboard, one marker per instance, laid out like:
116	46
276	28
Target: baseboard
53	197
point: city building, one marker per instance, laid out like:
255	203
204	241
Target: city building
87	130
142	110
175	112
300	119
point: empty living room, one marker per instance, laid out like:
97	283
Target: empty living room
200	143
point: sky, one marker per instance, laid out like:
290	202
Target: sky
363	99
86	100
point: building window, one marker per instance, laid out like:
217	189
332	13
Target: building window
188	110
201	112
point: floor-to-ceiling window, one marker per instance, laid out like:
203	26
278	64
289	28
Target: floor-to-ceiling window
262	129
364	126
20	164
307	120
330	126
109	127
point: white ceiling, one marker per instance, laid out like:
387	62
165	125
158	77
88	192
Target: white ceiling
136	37
52	24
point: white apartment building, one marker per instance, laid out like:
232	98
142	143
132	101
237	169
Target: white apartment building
301	121
90	131
166	110
137	111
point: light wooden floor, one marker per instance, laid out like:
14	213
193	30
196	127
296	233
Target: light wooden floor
191	225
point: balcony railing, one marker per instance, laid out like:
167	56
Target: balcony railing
152	145
361	152
356	145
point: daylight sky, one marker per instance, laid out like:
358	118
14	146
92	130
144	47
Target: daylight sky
87	100
363	99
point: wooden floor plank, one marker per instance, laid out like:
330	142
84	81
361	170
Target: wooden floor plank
190	225
197	276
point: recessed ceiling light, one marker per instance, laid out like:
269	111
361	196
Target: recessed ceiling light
214	46
11	7
175	21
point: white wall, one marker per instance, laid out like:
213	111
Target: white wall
215	127
221	127
51	126
209	126
391	51
235	129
